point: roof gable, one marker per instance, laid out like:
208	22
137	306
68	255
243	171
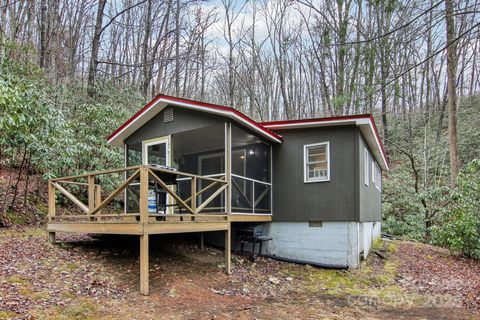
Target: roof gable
161	101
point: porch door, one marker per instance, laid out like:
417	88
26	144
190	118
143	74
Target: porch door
213	165
208	165
157	152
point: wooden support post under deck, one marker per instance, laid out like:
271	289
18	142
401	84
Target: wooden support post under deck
144	285
202	243
228	250
51	237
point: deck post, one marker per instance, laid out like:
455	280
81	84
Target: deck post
144	282
51	201
143	201
51	209
143	204
91	195
98	197
228	250
193	201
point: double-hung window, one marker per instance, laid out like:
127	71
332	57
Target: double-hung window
316	162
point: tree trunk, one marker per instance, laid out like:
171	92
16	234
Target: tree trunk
146	38
452	97
177	49
92	69
27	181
43	33
17	183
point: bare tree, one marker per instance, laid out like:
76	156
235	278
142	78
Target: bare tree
452	95
92	69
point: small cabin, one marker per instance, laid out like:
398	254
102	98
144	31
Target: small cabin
311	187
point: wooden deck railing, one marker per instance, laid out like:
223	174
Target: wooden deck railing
93	210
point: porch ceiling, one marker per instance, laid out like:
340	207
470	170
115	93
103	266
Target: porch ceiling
199	140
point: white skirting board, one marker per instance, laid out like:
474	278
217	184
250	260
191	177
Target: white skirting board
329	243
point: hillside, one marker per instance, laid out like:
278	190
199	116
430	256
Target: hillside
83	278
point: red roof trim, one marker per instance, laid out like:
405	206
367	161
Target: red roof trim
196	103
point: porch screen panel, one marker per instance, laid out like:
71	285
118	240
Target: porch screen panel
251	173
201	152
132	192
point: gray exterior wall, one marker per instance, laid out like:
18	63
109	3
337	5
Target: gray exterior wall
184	120
334	200
344	198
369	197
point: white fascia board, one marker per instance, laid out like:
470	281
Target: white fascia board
371	131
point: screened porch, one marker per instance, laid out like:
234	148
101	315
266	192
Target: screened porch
223	151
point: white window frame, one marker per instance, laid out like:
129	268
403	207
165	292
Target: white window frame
168	159
306	179
365	167
147	143
374	172
378	180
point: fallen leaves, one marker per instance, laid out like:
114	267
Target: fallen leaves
35	274
432	270
83	278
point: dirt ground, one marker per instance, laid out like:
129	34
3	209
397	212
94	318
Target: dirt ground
85	278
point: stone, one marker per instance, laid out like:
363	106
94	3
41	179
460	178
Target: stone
274	280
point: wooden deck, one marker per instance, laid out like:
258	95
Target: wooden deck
96	218
200	223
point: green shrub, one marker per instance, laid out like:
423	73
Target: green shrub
459	227
402	210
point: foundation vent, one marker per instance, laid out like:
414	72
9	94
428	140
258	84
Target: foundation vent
168	115
315	224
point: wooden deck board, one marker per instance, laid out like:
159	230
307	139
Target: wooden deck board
97	227
249	217
201	224
185	226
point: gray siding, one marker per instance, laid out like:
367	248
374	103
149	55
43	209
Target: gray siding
369	197
184	120
334	200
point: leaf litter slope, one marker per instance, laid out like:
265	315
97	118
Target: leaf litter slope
84	278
